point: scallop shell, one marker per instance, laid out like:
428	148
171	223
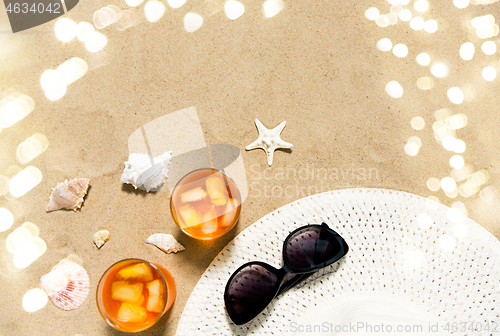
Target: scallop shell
141	173
68	194
165	242
67	285
100	237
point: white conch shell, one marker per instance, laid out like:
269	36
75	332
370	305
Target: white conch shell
165	242
140	172
67	284
68	194
100	237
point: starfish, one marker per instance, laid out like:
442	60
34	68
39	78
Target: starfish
269	140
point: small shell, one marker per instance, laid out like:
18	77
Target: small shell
141	173
165	242
67	285
100	237
68	194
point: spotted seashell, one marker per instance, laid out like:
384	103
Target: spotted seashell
144	172
100	237
67	285
165	242
68	194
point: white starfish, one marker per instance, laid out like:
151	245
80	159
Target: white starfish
269	140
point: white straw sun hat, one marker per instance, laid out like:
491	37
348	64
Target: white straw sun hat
411	262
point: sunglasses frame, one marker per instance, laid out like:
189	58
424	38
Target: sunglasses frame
299	274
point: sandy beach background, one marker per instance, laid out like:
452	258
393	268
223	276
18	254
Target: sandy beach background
315	64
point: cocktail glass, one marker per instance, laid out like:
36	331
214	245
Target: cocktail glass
133	294
205	204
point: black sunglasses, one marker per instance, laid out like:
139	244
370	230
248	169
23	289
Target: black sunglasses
255	284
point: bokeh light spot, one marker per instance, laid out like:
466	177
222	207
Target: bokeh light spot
394	89
392	18
489	73
83	28
411	148
65	29
400	50
425	221
447	243
423	59
34	299
467	51
455	215
425	83
53	85
417	23
95	41
457	161
487	194
457	121
421	6
405	15
442	114
396	9
431	26
31	148
272	7
176	3
489	47
461	3
433	184
24	181
455	95
448	184
234	9
18	238
192	22
439	70
382	21
459	230
384	44
134	3
72	70
453	144
460	206
26	255
417	123
6	219
416	140
14	108
154	10
372	13
102	19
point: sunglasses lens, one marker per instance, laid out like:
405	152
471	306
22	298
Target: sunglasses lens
311	247
250	291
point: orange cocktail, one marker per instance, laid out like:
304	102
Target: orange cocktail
205	204
133	294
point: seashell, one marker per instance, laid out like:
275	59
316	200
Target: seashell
68	194
100	237
146	173
165	242
67	285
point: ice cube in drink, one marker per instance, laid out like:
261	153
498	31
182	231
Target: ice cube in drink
216	189
209	222
228	213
